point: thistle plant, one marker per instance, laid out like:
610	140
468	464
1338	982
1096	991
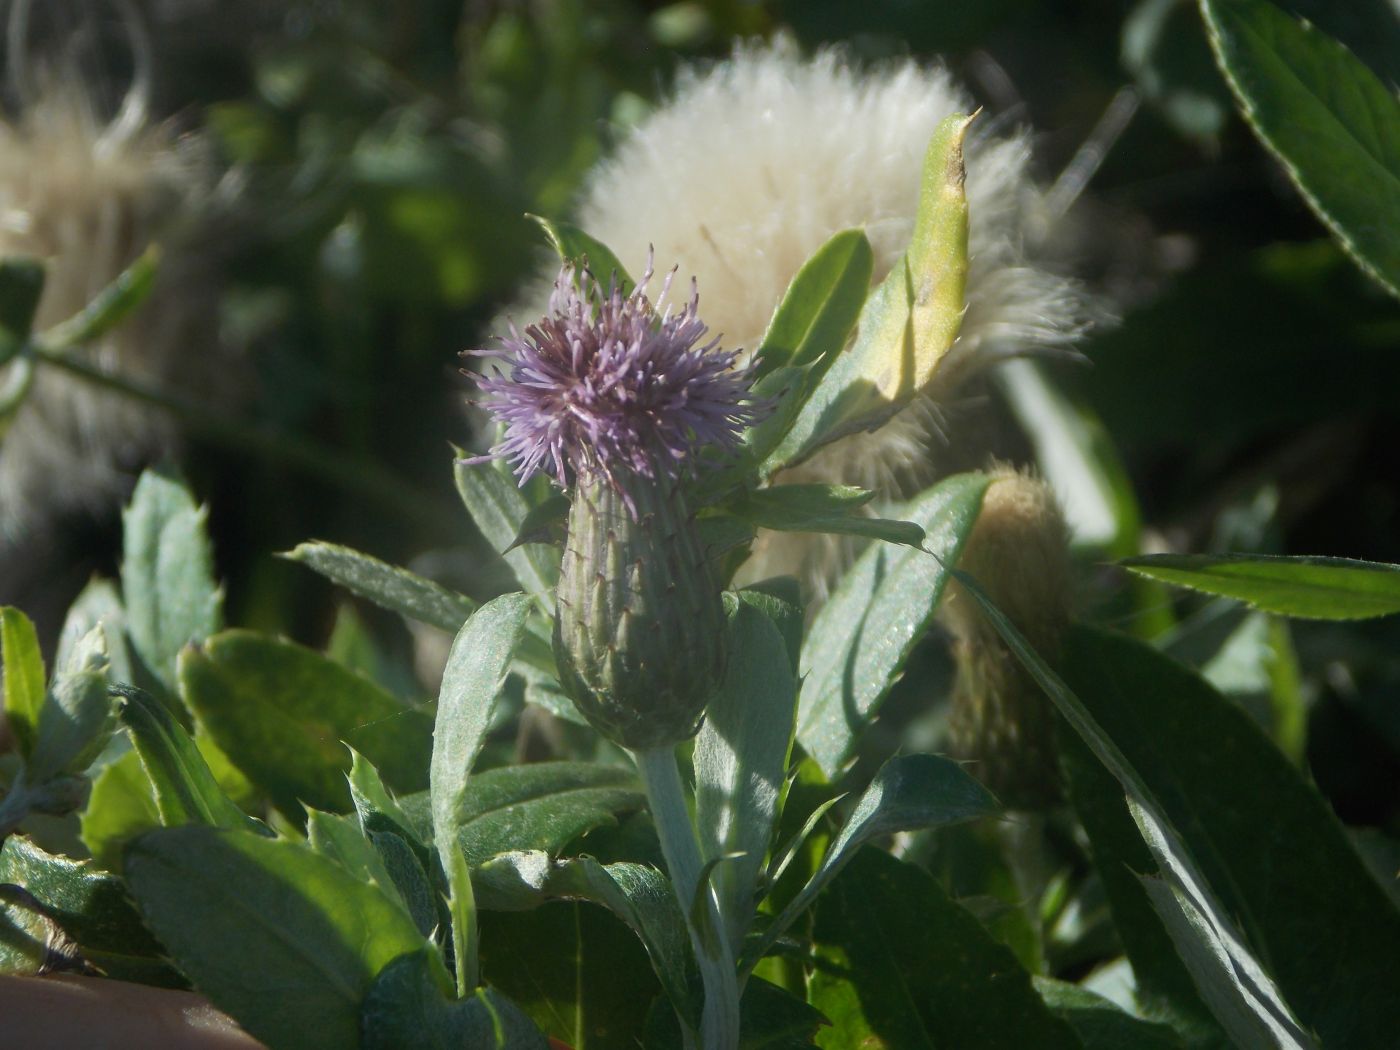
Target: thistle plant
621	402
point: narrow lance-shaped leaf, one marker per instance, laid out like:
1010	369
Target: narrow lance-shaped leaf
1309	588
909	322
499	508
863	635
821	305
821	508
1333	124
1258	1017
184	789
388	586
471	685
909	792
741	755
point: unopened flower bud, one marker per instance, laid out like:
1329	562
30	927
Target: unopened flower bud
1001	721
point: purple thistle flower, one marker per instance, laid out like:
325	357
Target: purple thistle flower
611	385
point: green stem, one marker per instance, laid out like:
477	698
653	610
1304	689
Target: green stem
719	1020
356	476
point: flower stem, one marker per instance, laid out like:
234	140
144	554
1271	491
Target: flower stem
719	1022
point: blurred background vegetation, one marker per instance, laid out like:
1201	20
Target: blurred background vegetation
387	154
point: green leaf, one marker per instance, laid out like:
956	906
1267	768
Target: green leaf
1315	914
1162	982
541	806
387	586
780	599
544	522
638	894
281	712
770	1018
1333	124
121	806
573	245
1310	588
909	792
340	838
280	938
821	304
575	969
90	906
407	1008
110	306
23	677
168	586
471	686
380	811
863	635
76	721
909	322
499	509
1099	1024
182	787
98	603
741	757
900	965
820	508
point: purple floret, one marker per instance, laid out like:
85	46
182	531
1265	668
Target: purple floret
609	384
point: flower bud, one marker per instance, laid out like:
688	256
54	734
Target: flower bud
640	631
1001	720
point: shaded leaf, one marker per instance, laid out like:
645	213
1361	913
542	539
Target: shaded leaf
1310	588
820	508
1099	1024
282	714
591	988
901	965
250	919
407	1008
909	792
1331	122
770	1018
182	787
91	907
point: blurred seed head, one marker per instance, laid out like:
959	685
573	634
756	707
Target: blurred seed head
759	159
1001	721
87	194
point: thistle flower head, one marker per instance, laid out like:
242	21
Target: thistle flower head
613	385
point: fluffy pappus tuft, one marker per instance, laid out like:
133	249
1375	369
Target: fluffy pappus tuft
757	160
87	197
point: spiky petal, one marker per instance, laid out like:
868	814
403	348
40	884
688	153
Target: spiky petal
611	384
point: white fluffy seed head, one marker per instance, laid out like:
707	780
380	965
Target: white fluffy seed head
756	161
87	201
